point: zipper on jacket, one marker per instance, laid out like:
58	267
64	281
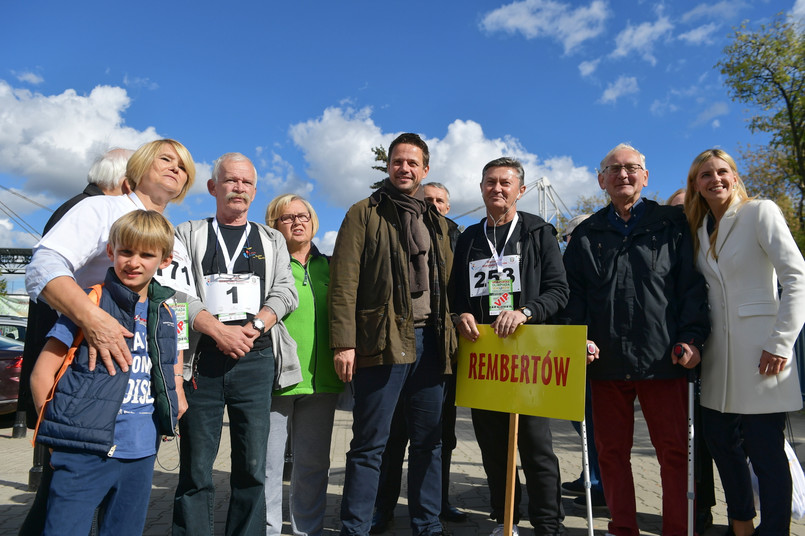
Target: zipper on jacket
308	281
154	324
111	451
653	252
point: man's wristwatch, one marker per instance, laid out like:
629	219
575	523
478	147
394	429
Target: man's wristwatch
527	312
259	325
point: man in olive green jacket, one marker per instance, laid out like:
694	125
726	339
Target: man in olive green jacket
391	331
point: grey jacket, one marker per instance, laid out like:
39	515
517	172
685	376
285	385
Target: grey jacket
280	295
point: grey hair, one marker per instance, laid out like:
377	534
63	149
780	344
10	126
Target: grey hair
618	147
230	157
109	169
440	186
505	161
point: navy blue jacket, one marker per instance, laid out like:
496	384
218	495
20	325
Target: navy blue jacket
83	411
544	288
638	294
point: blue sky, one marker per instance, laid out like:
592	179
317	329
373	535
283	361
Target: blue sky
306	89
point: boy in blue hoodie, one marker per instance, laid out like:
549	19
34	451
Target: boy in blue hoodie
104	429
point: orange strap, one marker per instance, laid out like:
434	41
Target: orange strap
95	296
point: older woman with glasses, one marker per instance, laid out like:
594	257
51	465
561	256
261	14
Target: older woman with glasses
303	413
744	249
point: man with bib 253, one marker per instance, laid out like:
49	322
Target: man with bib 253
245	287
508	271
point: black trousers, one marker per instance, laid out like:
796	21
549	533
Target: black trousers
540	465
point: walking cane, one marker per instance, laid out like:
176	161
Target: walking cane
586	462
679	352
587	484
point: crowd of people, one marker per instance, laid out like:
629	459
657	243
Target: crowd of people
162	330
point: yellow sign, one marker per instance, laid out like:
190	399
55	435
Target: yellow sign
539	370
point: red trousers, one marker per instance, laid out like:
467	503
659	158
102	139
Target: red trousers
664	405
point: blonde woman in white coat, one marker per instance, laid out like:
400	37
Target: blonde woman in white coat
749	375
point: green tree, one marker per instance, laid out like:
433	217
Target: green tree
3	287
585	204
764	175
382	157
766	69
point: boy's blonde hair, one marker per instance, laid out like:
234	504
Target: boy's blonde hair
143	229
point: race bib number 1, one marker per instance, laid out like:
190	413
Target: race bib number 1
232	296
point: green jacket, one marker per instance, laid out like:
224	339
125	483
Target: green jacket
370	301
308	326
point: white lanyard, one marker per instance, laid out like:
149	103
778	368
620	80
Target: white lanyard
230	260
498	259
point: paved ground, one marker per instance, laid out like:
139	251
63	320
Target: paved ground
468	488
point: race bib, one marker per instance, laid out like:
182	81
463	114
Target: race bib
232	296
182	329
178	275
483	272
500	296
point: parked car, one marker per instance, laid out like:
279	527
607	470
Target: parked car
13	327
10	367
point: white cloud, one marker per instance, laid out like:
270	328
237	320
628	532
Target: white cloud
13	236
326	243
724	10
715	124
661	107
624	85
798	12
28	77
139	82
337	148
710	114
548	18
703	35
51	140
586	68
640	39
281	177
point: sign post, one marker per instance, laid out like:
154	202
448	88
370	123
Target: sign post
539	370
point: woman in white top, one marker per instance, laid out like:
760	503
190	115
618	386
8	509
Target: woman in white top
749	376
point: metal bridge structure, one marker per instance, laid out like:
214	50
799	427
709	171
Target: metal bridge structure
14	260
549	206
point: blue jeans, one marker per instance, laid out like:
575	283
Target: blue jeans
419	386
83	481
242	386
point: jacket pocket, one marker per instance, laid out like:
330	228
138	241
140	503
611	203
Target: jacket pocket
757	309
371	330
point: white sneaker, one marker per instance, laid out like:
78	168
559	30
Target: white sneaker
499	531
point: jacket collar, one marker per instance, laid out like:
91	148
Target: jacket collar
127	298
727	223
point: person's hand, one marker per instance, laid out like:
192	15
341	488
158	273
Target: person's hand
690	356
467	327
106	339
344	361
770	364
507	321
268	317
235	341
181	396
593	352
